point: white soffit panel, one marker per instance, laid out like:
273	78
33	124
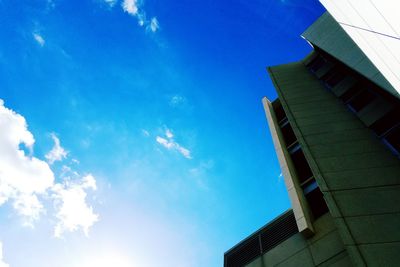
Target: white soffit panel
374	25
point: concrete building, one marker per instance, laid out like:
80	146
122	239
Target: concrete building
374	25
336	132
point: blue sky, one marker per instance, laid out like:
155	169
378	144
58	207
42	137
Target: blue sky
133	132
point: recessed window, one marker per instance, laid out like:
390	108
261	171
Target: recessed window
317	203
387	122
301	165
279	113
361	100
317	63
393	139
293	148
309	185
355	89
333	79
288	134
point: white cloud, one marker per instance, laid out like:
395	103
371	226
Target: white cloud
184	151
170	144
154	25
29	207
24	180
22	177
39	39
72	210
165	142
141	21
133	8
57	153
2	263
130	6
169	134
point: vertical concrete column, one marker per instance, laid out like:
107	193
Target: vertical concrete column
297	199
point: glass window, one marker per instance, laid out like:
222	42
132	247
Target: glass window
317	63
361	100
387	122
279	113
355	89
393	139
309	186
317	203
288	134
301	165
334	79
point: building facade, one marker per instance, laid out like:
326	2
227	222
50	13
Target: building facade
336	131
374	26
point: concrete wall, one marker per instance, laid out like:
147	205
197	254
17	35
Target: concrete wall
374	26
325	248
328	35
296	196
358	175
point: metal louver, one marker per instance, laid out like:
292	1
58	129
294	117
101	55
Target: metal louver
262	241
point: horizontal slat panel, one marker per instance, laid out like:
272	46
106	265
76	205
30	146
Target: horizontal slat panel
262	241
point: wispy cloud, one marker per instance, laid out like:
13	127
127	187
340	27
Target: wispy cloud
170	144
133	8
153	26
145	133
177	100
50	4
39	39
26	180
2	263
167	144
200	173
57	153
110	3
203	167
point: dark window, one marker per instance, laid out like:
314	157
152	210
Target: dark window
361	100
301	165
387	122
279	113
334	79
288	134
355	89
393	139
309	186
293	148
283	122
317	63
317	203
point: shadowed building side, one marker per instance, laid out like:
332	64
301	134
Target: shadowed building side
336	132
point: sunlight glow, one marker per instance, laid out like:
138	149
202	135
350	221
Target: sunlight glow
108	260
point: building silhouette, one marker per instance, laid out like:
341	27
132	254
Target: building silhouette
336	131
